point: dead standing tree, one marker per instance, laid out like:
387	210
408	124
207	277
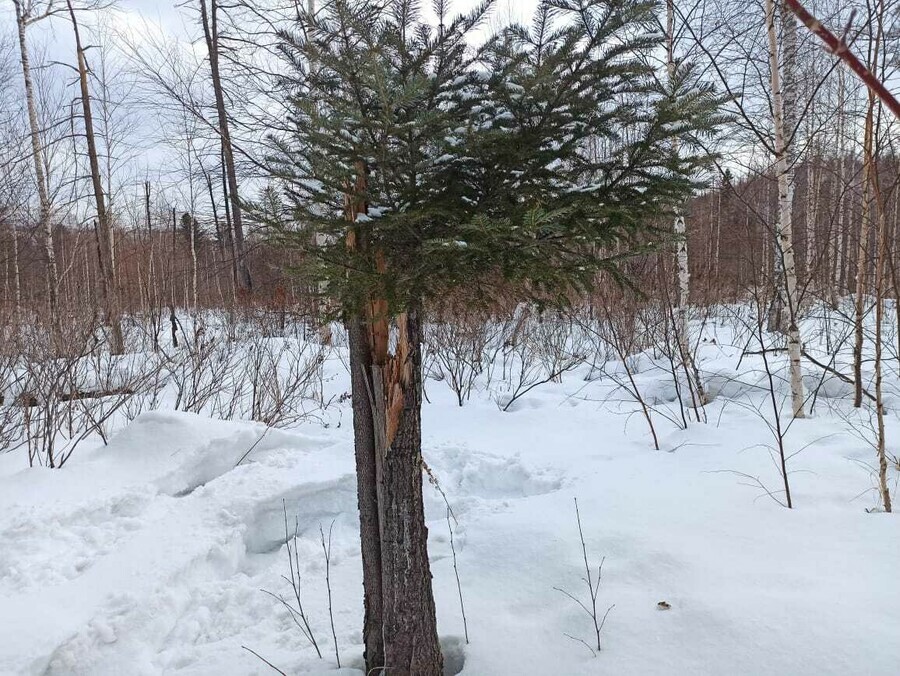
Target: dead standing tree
108	287
209	19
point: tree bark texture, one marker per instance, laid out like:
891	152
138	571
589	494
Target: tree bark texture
785	234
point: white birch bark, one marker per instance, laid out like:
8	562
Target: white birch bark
881	254
784	228
862	254
839	240
681	255
45	225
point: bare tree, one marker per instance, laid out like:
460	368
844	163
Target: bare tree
785	233
108	286
27	14
209	19
680	229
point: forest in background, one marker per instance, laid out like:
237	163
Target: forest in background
370	176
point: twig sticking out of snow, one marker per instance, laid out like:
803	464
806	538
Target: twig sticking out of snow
326	549
298	614
253	652
593	589
462	607
433	480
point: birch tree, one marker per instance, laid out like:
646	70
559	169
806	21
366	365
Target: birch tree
682	328
28	14
784	227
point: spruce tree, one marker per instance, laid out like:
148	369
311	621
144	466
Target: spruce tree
424	163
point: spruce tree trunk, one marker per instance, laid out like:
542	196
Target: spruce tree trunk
400	626
369	454
411	646
367	491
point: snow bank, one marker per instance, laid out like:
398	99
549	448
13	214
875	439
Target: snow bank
148	556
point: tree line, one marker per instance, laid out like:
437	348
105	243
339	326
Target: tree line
366	162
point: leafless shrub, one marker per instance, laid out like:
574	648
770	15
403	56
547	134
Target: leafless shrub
274	383
295	608
542	352
592	580
326	551
68	388
462	605
618	329
774	399
130	383
200	369
456	351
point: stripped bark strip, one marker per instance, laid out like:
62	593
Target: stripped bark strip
841	49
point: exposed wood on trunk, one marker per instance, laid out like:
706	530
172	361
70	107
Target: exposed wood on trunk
410	629
367	461
400	624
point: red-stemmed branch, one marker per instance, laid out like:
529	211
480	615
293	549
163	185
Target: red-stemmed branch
840	48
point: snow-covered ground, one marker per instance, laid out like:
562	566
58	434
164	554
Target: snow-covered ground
148	555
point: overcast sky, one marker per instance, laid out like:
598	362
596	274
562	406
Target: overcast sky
176	19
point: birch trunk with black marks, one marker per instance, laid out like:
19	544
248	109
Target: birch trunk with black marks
681	254
881	255
862	255
784	229
45	226
789	86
